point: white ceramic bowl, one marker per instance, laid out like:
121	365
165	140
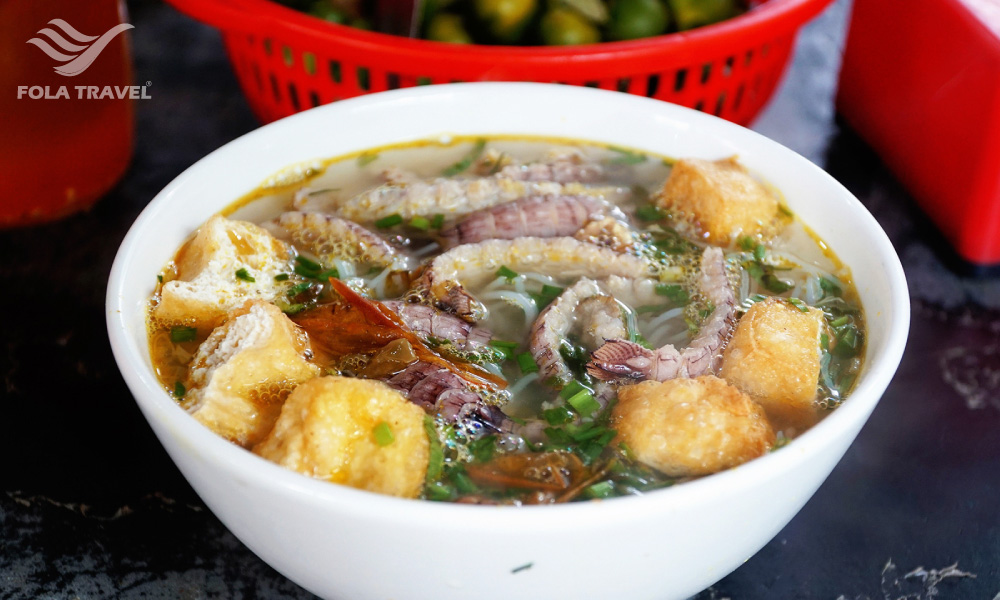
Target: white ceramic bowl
344	543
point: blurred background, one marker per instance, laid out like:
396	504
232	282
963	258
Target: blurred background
91	505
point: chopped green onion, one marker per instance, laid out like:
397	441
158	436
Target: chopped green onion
558	436
676	293
179	390
281	277
327	274
308	264
527	363
583	403
183	334
159	278
573	388
390	221
840	321
603	489
559	415
466	162
758	252
507	273
774	284
245	275
626	450
552	290
648	212
824	341
523	567
830	287
292	309
746	243
435	463
421	223
802	306
507	348
367	158
383	434
437	221
847	342
298	288
757	298
785	210
439	491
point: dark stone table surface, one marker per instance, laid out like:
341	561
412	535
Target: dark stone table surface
92	507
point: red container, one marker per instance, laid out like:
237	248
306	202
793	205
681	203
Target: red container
921	84
287	61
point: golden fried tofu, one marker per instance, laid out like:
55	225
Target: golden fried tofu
327	430
245	369
208	285
774	356
686	427
718	200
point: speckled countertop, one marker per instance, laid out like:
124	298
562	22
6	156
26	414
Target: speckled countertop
91	506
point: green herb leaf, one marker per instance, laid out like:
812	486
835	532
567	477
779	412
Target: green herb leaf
466	162
483	449
674	292
183	334
244	275
383	434
649	213
389	221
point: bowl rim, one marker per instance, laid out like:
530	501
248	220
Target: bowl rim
157	404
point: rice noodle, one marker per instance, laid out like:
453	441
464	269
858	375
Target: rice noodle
518	299
522	383
664	317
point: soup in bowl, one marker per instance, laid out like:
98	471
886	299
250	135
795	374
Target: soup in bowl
617	327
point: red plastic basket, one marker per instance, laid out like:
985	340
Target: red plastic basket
288	61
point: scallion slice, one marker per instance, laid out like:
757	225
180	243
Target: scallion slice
390	221
421	223
527	363
648	212
179	389
245	275
583	403
507	273
437	221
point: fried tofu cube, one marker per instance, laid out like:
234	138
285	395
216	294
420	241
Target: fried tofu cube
327	430
718	200
774	356
242	373
208	287
687	427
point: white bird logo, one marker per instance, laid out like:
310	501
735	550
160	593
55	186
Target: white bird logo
81	57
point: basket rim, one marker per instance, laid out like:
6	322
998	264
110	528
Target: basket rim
769	20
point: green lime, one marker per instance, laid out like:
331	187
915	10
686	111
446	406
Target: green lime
565	27
446	27
634	19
